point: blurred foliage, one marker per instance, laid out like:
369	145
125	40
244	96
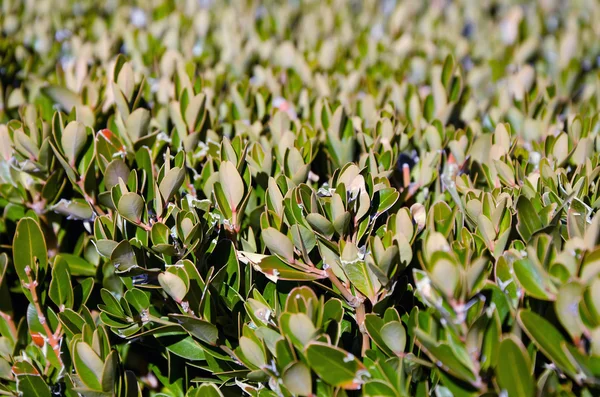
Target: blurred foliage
299	198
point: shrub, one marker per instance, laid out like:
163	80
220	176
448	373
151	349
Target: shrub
299	198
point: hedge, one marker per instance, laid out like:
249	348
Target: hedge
301	198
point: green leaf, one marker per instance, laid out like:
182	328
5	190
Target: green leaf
61	291
123	256
429	114
33	320
105	247
304	239
209	390
182	345
160	233
378	388
74	209
547	338
490	346
528	219
298	327
440	218
320	224
446	358
29	380
131	207
63	162
567	309
278	243
171	183
88	365
505	173
73	140
590	267
232	184
373	324
252	352
514	369
534	279
131	387
447	71
109	372
274	268
71	321
221	200
3	265
115	170
77	265
137	299
297	379
173	284
200	329
335	366
394	336
82	292
387	198
66	98
29	248
137	123
362	278
445	273
274	197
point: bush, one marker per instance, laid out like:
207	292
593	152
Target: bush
302	198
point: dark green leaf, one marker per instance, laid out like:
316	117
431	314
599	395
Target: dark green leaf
29	248
200	329
60	290
547	338
514	369
335	366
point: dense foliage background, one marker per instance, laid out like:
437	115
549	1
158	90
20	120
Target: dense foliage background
309	198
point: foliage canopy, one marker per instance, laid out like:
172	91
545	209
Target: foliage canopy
302	198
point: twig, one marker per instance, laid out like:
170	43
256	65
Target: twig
360	320
352	300
405	175
52	340
58	331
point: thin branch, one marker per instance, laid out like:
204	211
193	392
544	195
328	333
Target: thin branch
352	300
58	331
360	321
405	175
52	340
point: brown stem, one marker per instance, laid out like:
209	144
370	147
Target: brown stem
405	175
412	190
365	344
58	331
232	230
10	322
360	320
52	340
351	299
234	219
